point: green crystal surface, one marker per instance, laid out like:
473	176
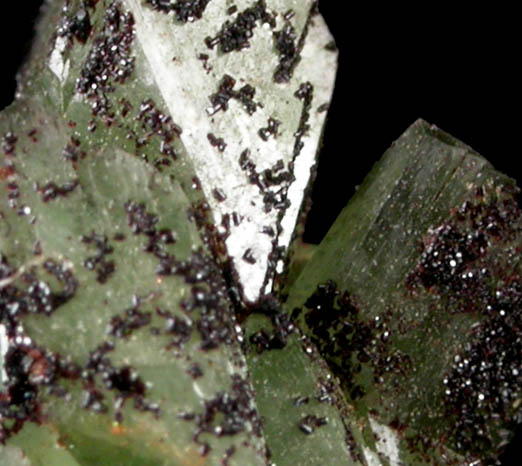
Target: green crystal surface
157	305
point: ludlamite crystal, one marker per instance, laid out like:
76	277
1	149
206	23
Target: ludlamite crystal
151	175
156	304
414	298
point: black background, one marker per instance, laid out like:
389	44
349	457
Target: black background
455	68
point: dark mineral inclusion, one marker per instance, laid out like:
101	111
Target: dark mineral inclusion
419	307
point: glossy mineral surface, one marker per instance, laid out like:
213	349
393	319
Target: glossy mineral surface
151	175
152	170
418	302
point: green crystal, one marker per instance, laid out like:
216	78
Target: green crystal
139	241
420	320
123	344
126	219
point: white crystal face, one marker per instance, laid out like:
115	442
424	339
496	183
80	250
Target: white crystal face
4	346
57	64
261	217
387	443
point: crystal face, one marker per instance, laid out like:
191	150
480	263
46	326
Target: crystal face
262	179
152	173
149	165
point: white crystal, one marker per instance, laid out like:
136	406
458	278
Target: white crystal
186	86
57	64
387	443
4	346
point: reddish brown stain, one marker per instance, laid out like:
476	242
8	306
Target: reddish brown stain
6	172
